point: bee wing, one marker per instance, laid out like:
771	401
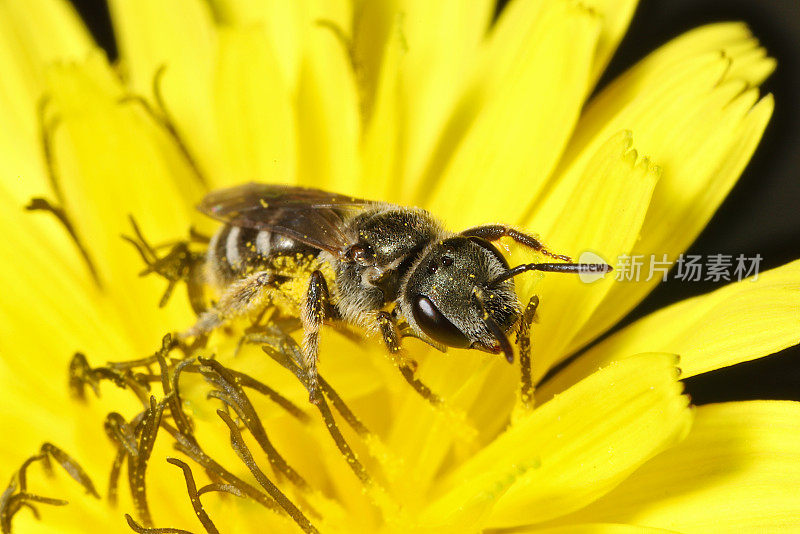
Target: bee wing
310	216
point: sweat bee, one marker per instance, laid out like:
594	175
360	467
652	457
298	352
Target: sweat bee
392	271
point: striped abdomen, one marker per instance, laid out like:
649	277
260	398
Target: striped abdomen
235	251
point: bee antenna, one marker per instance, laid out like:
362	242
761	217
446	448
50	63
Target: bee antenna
574	268
494	328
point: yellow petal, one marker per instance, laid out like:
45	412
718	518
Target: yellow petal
571	450
281	22
737	323
520	130
49	30
179	36
253	110
727	51
437	42
87	443
436	36
309	41
603	213
32	35
46	289
50	310
83	513
686	219
328	126
425	437
735	472
380	146
691	111
113	161
615	15
442	39
595	528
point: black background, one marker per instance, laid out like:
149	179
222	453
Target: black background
762	213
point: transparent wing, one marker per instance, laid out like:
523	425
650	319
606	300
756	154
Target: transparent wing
310	216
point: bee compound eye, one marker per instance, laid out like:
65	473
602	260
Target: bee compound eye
436	325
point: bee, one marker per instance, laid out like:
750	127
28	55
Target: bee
390	270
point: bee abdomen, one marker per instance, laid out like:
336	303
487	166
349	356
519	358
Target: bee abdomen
237	250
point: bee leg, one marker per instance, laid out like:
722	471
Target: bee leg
195	283
390	335
493	232
179	264
312	315
407	366
239	299
524	340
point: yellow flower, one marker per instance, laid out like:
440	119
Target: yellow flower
420	103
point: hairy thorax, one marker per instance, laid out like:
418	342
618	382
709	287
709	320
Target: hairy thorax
392	240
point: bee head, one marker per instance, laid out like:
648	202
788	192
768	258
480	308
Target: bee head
450	299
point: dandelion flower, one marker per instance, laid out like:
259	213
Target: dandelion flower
420	103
